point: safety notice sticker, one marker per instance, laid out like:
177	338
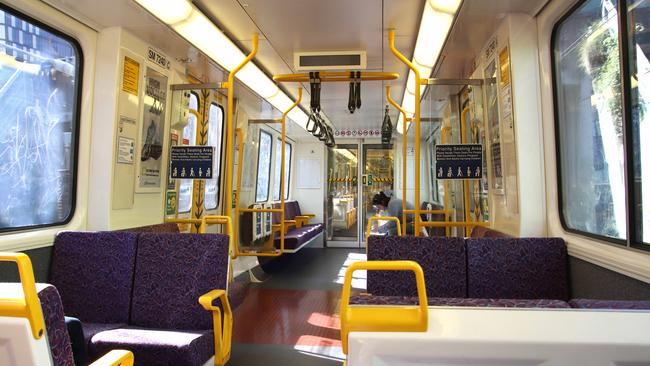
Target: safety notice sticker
464	161
192	162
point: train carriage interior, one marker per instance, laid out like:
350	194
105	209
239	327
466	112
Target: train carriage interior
308	182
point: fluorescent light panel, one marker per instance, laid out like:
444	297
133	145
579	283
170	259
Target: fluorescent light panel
195	27
435	24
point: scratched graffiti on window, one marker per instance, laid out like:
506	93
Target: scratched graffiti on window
37	125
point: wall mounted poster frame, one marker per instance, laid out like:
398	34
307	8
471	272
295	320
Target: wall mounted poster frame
150	150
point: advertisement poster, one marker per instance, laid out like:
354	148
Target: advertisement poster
153	126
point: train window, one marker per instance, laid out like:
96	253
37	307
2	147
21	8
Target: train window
189	139
287	170
639	50
40	82
263	167
215	138
598	129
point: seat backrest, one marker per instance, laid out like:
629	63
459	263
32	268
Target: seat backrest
93	272
443	261
172	271
57	333
517	268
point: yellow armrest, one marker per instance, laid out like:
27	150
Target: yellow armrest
116	357
374	318
287	225
222	343
311	216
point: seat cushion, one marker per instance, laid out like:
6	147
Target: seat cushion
442	260
90	329
93	272
296	237
517	268
57	333
456	301
172	272
610	304
157	347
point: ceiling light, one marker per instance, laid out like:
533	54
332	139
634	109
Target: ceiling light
197	29
170	11
437	18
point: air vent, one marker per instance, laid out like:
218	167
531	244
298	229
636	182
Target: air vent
341	60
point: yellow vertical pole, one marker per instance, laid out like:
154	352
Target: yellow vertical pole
443	140
463	140
239	136
230	134
404	143
282	167
416	118
198	185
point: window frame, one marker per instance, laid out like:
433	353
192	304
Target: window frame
288	182
192	143
630	241
257	170
218	196
75	122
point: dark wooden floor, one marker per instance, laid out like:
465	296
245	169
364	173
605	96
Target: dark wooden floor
292	318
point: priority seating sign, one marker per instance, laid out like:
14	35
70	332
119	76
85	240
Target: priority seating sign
192	162
462	161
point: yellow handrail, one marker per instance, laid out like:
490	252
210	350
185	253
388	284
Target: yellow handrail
229	130
29	306
116	357
334	76
274	253
416	119
445	186
385	218
369	318
404	143
465	224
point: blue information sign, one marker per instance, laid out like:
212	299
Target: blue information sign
192	162
463	161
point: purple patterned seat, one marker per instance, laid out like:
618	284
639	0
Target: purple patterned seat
457	301
57	333
158	347
442	259
171	272
610	304
296	237
517	268
93	272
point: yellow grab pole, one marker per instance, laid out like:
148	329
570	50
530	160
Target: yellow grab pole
416	117
463	140
443	140
391	101
282	167
229	131
240	158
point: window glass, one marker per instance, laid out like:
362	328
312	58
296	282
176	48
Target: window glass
263	167
287	169
590	120
189	139
215	137
39	89
639	47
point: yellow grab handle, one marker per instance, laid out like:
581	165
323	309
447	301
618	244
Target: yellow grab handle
369	318
385	218
116	357
28	307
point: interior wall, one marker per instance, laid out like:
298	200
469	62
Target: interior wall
147	207
521	143
310	159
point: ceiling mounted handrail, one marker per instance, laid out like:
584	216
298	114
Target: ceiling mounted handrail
336	76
